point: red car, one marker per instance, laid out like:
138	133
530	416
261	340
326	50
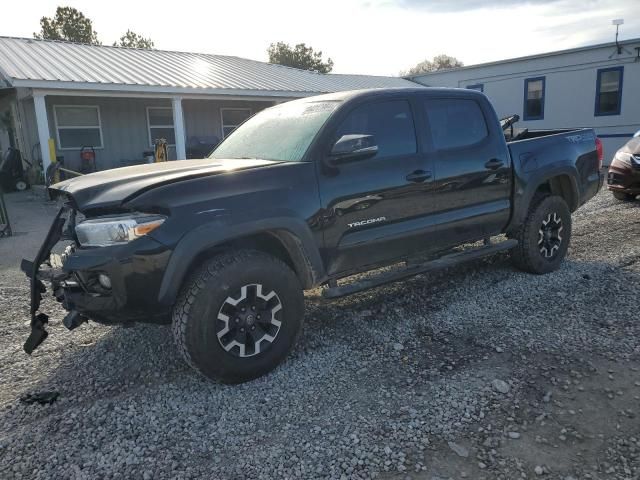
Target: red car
624	171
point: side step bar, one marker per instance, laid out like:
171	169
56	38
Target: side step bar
441	263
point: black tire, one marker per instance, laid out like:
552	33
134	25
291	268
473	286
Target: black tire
624	197
533	256
206	297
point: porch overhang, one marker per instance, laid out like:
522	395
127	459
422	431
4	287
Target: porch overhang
173	95
48	87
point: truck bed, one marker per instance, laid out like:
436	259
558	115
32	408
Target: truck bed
568	154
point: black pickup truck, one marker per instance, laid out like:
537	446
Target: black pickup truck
304	194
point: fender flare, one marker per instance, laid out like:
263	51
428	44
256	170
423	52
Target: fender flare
293	234
524	195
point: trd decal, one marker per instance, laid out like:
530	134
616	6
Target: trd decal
366	222
581	137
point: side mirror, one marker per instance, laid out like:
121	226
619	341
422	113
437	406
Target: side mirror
353	147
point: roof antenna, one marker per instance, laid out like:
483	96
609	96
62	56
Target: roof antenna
619	48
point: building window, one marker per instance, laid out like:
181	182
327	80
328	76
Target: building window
534	98
232	117
477	86
77	126
160	122
609	91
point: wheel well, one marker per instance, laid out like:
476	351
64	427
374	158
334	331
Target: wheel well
562	186
280	244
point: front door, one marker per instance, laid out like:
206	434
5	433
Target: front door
369	204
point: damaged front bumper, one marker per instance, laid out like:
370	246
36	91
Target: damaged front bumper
134	272
39	320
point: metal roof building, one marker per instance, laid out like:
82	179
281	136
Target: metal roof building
118	100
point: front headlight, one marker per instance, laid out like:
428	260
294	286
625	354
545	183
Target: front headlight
114	230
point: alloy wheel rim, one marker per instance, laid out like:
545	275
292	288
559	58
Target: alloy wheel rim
550	235
248	322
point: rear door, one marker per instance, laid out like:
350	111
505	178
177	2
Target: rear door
472	188
368	204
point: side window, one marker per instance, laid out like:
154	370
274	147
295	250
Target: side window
609	91
534	98
160	123
390	123
78	126
455	122
231	118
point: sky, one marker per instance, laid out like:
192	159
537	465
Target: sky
376	37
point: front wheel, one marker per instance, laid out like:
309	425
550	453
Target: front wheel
544	237
238	316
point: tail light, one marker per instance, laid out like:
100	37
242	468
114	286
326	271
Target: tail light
600	151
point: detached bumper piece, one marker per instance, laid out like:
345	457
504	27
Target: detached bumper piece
66	215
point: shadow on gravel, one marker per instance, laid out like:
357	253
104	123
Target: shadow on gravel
402	321
123	359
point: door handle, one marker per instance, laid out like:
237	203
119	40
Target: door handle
418	176
494	164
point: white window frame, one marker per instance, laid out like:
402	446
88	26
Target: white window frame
222	124
58	127
149	126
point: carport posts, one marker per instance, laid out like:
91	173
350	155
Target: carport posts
42	123
178	125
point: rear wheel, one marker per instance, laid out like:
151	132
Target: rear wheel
21	185
238	317
544	237
624	197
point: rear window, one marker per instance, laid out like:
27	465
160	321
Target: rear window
455	123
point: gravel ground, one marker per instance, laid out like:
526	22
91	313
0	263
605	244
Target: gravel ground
482	372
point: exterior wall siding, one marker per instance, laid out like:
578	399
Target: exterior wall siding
29	129
203	118
124	129
124	123
570	91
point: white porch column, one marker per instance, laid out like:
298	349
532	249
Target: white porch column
178	127
42	122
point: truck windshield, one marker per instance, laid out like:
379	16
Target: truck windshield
281	133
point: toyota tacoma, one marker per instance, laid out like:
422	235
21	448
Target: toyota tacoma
305	194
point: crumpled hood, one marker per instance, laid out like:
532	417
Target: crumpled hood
113	187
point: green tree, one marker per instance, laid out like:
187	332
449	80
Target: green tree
300	56
133	40
439	62
68	24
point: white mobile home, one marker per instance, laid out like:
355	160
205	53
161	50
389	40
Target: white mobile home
596	86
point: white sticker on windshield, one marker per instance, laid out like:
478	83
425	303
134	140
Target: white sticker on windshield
318	107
